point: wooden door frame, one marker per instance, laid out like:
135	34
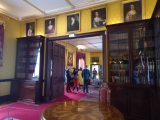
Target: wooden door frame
83	35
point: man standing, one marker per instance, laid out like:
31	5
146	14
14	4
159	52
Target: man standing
94	72
86	79
68	75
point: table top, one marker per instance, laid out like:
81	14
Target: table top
81	110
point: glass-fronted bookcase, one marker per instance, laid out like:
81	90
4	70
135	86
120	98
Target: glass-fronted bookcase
29	68
131	54
119	57
132	68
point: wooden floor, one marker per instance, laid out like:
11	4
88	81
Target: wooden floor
81	110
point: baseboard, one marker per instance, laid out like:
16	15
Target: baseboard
13	91
6	80
5	98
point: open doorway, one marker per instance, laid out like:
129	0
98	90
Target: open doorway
80	51
85	51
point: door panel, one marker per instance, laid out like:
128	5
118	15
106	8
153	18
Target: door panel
55	71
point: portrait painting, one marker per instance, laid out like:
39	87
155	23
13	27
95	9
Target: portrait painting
98	17
132	10
73	22
50	26
70	59
30	28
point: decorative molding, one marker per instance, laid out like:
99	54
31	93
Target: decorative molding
37	8
76	8
67	10
56	11
8	14
2	22
70	3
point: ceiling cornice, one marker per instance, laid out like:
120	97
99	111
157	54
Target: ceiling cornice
48	14
69	2
79	8
7	14
29	3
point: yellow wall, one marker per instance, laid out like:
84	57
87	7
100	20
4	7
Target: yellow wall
7	71
114	15
97	54
73	49
115	11
88	59
149	7
69	48
14	29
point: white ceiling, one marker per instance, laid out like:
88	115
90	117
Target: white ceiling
92	44
24	9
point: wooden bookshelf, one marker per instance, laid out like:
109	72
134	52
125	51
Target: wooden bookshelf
29	68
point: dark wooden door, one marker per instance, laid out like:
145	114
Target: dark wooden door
55	71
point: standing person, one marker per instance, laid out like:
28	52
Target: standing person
86	79
80	79
94	72
69	78
75	73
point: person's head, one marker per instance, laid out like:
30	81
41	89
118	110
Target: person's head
72	19
30	26
96	14
94	68
50	22
86	66
132	7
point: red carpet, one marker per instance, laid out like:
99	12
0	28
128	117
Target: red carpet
28	111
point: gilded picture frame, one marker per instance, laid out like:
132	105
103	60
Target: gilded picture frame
50	25
31	28
98	17
73	22
132	10
70	59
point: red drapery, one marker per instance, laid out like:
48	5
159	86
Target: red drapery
80	59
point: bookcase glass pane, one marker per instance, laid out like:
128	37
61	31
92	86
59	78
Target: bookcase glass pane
157	48
118	57
143	56
28	59
35	75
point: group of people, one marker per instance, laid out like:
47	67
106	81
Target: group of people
76	78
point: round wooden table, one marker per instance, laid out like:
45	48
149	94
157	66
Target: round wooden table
81	110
